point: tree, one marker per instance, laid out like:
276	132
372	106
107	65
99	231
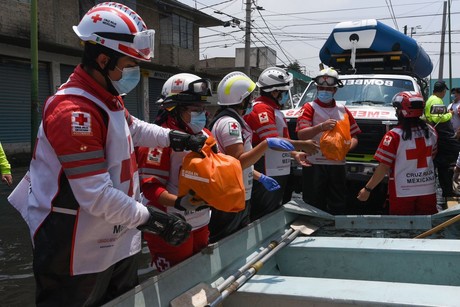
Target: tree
294	66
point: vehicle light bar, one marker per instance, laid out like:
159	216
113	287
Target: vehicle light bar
369	60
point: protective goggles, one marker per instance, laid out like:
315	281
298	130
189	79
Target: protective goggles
140	44
326	81
200	87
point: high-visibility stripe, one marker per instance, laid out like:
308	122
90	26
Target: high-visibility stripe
383	158
65	211
272	127
151	171
251	87
85	169
385	152
81	156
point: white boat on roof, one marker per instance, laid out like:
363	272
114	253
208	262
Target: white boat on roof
349	260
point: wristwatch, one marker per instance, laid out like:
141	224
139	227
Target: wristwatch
367	189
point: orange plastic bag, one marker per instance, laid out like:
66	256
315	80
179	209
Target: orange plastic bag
214	177
335	143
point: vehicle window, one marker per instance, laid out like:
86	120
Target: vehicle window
364	91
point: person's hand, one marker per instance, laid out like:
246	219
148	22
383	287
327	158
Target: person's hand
8	179
180	141
189	203
279	144
269	183
302	158
171	227
363	195
310	147
328	124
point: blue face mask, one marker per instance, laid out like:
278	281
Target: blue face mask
248	109
325	96
452	97
130	77
283	98
197	122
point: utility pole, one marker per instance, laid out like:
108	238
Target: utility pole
247	40
450	51
34	106
443	32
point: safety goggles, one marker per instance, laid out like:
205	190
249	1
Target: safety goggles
140	44
200	87
326	81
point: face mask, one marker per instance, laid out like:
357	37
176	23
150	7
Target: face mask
283	98
248	109
325	96
130	77
197	122
452	97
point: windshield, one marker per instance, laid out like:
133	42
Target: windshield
364	91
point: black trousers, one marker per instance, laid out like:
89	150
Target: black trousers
325	187
51	265
223	224
263	201
444	164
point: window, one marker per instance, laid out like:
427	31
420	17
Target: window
177	30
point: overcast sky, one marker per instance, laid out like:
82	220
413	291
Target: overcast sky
297	29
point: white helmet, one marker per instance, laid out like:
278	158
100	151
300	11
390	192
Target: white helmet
275	78
119	28
234	88
185	89
328	77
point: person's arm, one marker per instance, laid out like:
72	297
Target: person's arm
5	168
376	178
310	132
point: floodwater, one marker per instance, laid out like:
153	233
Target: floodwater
17	285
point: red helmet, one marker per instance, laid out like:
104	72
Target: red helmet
411	104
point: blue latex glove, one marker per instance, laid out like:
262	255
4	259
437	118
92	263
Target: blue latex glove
279	144
269	183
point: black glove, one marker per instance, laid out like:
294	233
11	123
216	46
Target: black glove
188	203
171	227
180	141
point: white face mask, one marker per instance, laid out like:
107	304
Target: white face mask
197	122
130	77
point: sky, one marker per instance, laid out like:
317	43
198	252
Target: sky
297	29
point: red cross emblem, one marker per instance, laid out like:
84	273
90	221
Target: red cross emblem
234	125
420	152
96	18
81	119
178	81
162	264
263	117
154	152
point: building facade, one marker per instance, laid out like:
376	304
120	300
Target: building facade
59	50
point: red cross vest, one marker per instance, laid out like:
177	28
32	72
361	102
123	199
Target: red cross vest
97	244
413	170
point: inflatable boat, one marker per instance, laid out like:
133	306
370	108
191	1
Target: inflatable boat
371	36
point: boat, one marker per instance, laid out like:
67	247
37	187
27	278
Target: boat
302	256
371	36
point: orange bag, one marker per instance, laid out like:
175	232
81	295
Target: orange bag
214	177
335	143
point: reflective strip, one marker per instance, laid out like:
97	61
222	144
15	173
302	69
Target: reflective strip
85	169
265	133
81	156
152	171
227	89
383	158
65	211
265	128
385	152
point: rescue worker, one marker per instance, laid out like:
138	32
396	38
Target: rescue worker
267	121
234	138
324	183
5	168
83	200
183	101
454	107
407	152
448	145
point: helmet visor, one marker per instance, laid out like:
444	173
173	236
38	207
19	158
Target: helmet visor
144	43
326	81
200	87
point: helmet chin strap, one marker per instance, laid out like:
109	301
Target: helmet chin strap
105	73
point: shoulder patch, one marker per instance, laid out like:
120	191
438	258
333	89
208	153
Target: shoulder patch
387	140
233	128
154	155
263	117
81	124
